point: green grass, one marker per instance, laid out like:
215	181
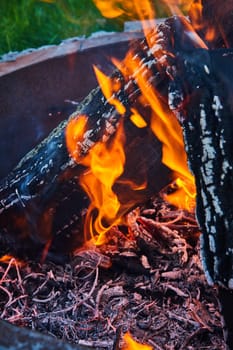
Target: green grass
33	23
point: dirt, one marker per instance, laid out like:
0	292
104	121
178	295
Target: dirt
147	279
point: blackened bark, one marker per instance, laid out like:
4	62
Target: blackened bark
207	123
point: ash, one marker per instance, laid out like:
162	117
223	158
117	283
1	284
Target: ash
147	279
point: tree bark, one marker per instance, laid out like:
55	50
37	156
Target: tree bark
200	93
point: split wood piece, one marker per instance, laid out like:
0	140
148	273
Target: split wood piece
207	123
41	202
17	338
200	93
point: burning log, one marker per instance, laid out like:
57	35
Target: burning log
41	202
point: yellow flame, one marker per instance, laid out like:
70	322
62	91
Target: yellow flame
137	119
74	135
109	87
105	164
131	344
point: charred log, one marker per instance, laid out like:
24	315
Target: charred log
41	202
200	93
207	123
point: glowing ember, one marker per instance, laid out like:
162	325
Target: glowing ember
9	259
131	344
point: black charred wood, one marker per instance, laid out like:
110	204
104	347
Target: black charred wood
200	92
207	121
207	118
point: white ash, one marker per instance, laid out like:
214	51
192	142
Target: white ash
173	98
215	200
155	48
230	283
212	243
203	261
206	69
217	105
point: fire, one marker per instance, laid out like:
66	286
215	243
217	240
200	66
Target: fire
110	87
105	163
166	128
196	14
9	259
131	344
74	135
163	123
105	160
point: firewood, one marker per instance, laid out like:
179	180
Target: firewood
207	123
41	201
200	93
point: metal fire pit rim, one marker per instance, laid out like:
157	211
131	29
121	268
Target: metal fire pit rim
27	58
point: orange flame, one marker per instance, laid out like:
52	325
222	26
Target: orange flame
7	259
163	123
105	163
166	128
109	87
74	135
131	344
196	15
106	159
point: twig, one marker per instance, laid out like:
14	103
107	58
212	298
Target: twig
91	291
171	315
177	290
52	296
190	337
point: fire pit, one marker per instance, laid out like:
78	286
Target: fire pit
105	286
